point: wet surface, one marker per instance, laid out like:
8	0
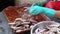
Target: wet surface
4	27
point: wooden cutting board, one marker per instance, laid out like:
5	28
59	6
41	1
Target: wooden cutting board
13	12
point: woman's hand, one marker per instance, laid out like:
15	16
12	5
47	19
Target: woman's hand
35	10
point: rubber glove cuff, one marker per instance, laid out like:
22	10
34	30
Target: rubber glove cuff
49	12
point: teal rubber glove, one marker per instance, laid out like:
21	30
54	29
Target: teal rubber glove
49	12
34	10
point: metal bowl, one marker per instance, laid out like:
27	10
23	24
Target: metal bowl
42	24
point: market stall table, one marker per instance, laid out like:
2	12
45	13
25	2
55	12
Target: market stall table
4	27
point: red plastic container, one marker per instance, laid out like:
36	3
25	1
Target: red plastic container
53	5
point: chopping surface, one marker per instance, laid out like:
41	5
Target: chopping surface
12	13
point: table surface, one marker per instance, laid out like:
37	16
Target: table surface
55	19
4	24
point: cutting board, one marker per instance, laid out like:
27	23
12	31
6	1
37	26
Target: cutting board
13	12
